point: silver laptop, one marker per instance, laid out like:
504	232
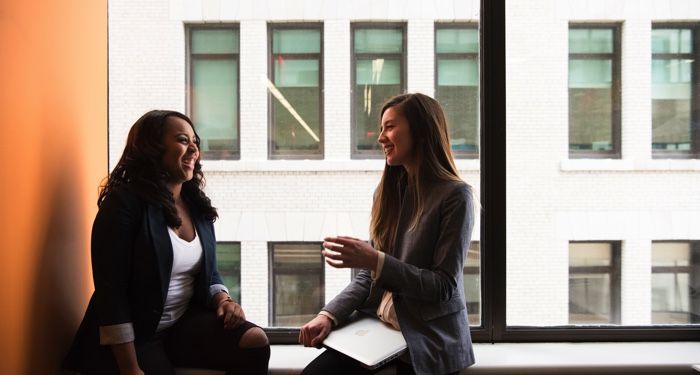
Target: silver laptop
367	340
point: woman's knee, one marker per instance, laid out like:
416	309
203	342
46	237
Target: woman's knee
253	338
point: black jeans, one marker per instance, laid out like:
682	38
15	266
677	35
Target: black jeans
197	340
336	363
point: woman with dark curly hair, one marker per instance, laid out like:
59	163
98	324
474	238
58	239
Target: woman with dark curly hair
159	301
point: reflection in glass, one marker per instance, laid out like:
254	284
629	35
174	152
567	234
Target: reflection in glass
297	283
472	283
296	103
378	75
594	283
675	283
591	96
672	89
228	261
214	90
457	87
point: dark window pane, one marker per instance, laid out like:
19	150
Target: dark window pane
378	41
228	261
298	286
591	41
672	41
296	93
214	41
472	284
375	81
593	284
450	40
458	93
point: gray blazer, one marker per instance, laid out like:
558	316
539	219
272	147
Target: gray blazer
424	274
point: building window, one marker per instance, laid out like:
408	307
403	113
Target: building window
457	84
228	261
295	87
297	283
675	282
594	94
472	283
594	283
378	73
674	92
213	90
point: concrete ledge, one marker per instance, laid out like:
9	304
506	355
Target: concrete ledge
534	358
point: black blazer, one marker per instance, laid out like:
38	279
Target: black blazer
132	259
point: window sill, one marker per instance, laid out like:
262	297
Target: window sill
535	358
574	165
365	165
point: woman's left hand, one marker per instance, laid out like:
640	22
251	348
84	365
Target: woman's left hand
353	253
231	312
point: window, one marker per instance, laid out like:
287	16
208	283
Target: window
213	90
296	101
675	282
472	284
674	98
297	283
378	73
228	259
457	84
594	283
594	95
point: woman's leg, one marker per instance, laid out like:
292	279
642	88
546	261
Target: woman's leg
199	340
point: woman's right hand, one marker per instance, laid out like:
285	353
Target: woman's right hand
314	332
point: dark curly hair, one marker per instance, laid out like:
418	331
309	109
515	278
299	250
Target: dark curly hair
139	169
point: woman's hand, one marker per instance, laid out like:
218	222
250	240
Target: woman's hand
231	312
352	253
314	332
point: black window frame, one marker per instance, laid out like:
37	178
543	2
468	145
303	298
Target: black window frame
189	29
492	161
287	333
373	154
295	154
441	25
694	152
616	105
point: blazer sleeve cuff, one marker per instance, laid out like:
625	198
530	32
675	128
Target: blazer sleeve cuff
380	266
117	334
216	288
330	316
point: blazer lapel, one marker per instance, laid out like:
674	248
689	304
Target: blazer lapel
162	247
206	238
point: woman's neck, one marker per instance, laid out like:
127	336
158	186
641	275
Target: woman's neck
175	190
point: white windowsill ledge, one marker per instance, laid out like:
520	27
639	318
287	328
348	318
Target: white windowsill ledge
573	165
535	358
364	165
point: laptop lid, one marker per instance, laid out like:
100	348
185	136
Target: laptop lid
367	340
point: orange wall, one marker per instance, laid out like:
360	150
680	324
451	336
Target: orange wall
53	154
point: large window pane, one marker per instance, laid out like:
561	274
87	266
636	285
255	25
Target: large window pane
675	282
594	286
296	116
214	90
457	85
228	260
592	92
297	294
673	105
378	71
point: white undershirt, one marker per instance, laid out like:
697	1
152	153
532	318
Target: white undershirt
187	259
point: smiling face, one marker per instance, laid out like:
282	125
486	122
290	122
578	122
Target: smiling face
181	150
395	138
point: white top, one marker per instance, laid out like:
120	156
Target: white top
187	260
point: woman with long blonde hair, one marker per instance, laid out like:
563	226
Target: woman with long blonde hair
411	271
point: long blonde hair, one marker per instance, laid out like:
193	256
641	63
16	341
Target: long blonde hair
431	148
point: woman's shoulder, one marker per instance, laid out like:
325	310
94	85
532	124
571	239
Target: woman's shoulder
455	187
124	196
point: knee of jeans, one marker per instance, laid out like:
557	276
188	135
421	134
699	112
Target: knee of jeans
253	338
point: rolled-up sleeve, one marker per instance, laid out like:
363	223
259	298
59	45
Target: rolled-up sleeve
117	334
